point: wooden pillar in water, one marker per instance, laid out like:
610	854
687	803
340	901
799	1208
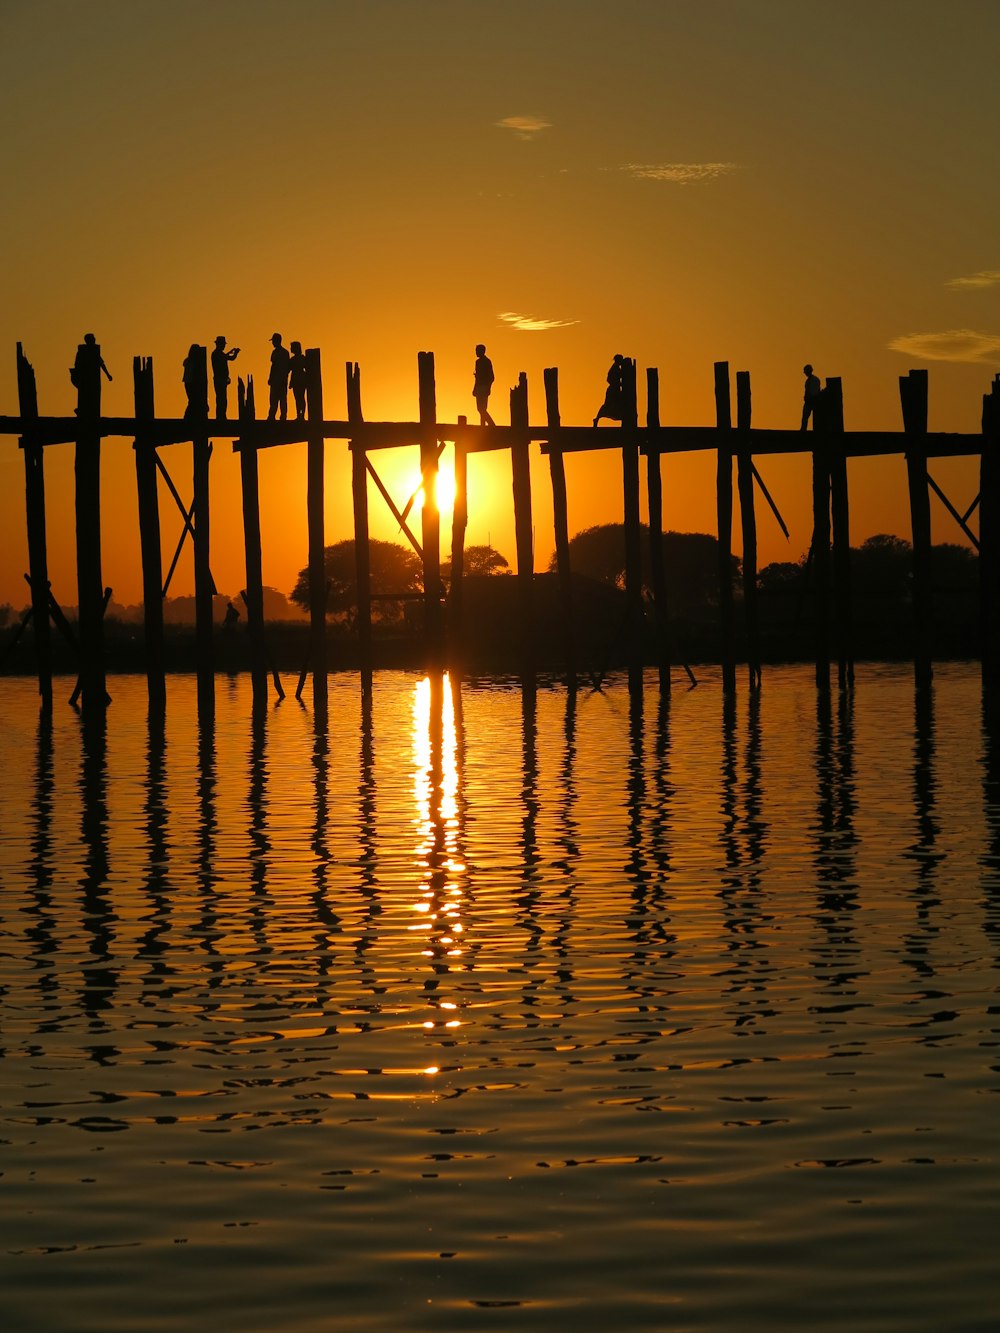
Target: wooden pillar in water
843	617
633	538
521	476
250	488
89	581
204	588
315	505
362	555
430	515
459	522
148	500
913	397
748	522
724	511
34	507
654	496
560	516
821	543
989	547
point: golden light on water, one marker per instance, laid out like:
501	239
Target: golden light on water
438	908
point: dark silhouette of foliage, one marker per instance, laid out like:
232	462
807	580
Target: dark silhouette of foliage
881	567
691	560
394	568
480	560
781	576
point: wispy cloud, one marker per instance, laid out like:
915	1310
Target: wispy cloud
525	127
529	324
965	345
679	173
990	277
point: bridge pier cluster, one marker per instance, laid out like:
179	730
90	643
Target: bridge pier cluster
828	445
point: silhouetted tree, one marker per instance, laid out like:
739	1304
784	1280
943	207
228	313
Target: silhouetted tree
394	568
881	567
480	560
954	568
690	560
6	614
781	576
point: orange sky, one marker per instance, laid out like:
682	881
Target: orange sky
761	182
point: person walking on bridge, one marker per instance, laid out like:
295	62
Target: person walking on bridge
810	397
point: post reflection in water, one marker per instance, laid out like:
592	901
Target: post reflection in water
40	932
836	961
99	976
151	948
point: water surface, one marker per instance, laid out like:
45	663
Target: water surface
480	1009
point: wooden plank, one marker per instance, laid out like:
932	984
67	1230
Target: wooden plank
840	515
148	501
820	549
203	585
430	517
654	498
459	523
633	537
913	399
253	596
523	536
560	518
315	513
360	468
989	550
34	505
87	503
724	513
748	523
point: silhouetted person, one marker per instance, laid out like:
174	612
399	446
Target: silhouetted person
810	397
482	384
85	373
220	376
277	380
231	619
612	405
297	379
195	383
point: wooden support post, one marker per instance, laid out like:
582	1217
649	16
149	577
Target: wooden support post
633	538
89	581
560	515
362	554
149	533
821	542
913	398
430	515
34	506
254	595
654	496
989	548
459	522
833	413
748	522
315	505
204	587
724	509
523	536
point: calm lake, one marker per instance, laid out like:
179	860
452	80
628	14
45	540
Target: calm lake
483	1010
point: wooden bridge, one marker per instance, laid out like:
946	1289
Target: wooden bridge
828	445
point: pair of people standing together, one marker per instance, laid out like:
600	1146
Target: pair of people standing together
288	370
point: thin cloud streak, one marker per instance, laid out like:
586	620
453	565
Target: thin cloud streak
529	324
962	345
525	127
987	278
680	173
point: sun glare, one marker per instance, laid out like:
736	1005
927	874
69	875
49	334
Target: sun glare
445	491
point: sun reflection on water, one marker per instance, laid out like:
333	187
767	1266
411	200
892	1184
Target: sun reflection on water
438	908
